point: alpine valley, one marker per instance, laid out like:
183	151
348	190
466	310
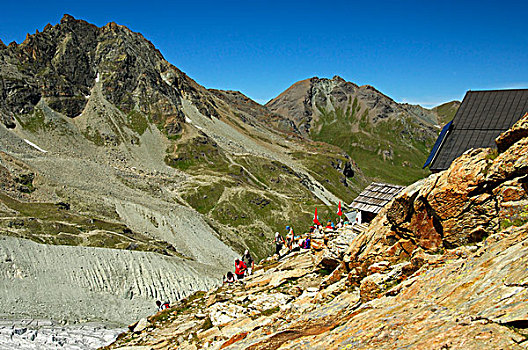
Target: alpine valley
123	181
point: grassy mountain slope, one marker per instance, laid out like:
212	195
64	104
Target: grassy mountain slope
447	111
389	141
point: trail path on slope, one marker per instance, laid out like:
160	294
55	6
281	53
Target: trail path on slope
236	142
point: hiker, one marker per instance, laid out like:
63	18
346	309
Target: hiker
229	277
162	306
279	241
240	269
296	246
248	260
306	243
289	237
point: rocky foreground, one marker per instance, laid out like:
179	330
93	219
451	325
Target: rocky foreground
444	266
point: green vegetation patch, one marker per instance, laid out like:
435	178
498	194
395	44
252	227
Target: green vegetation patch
137	122
446	112
94	136
52	223
327	168
204	198
255	196
199	153
33	122
244	207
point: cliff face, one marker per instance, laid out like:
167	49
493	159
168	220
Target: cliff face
62	64
383	136
442	267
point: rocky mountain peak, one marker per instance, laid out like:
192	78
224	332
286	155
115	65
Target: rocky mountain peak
339	79
361	120
68	22
60	66
67	18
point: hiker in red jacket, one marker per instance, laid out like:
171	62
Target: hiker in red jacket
162	306
240	268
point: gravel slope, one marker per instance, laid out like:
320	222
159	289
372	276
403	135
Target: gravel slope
92	284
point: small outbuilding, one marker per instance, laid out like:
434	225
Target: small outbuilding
373	198
482	116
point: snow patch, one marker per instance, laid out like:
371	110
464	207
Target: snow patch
35	146
97	78
188	120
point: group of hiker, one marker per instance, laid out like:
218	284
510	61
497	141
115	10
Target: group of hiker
292	242
243	267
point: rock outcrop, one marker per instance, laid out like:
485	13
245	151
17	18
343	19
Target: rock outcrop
442	267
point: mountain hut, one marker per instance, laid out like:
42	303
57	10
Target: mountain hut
373	198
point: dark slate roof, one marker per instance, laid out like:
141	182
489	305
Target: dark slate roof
375	196
482	116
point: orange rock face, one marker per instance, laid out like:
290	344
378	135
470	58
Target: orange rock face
451	194
516	132
459	206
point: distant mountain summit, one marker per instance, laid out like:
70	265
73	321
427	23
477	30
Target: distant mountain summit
446	111
387	139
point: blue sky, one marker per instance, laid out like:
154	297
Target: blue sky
425	52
